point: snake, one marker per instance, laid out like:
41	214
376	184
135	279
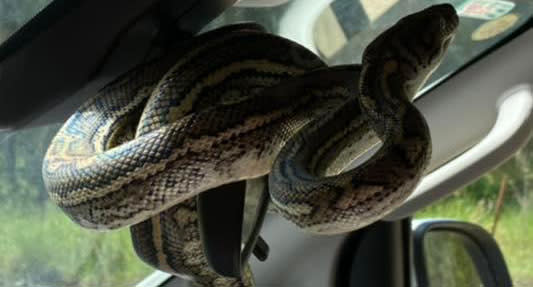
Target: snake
238	103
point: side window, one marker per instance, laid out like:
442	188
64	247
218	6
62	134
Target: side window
40	246
501	202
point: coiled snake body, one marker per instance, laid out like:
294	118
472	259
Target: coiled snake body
237	104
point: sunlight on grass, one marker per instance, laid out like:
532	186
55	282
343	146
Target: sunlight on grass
44	248
514	232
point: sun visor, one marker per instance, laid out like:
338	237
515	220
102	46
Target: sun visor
72	48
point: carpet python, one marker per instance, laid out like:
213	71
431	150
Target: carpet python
238	103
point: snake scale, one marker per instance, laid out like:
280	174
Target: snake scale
238	103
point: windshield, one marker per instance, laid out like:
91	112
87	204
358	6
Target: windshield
40	246
339	30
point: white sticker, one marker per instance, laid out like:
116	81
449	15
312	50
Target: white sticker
485	9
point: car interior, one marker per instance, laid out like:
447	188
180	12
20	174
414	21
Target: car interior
478	106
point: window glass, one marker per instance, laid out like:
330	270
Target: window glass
15	13
502	202
40	246
448	260
339	30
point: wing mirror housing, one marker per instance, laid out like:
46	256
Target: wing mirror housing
454	253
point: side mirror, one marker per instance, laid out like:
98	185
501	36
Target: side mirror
454	253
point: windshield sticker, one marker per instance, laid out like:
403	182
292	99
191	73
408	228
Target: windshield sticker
495	27
485	9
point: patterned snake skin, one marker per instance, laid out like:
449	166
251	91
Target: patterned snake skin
238	103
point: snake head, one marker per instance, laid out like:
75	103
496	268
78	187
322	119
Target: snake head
414	47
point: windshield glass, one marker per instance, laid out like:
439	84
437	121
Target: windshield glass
339	30
14	14
40	246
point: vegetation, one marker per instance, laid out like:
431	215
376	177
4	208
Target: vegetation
44	248
40	246
445	252
477	203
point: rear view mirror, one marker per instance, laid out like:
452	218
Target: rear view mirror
453	253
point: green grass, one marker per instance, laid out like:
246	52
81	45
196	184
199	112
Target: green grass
514	232
44	248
